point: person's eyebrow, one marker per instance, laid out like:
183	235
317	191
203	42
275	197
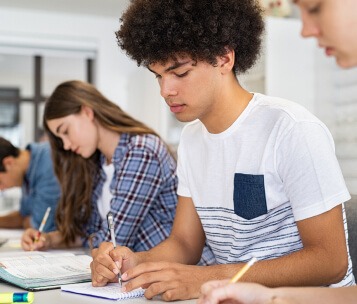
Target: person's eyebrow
172	67
177	65
58	128
295	1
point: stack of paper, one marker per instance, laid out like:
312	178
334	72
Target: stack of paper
44	270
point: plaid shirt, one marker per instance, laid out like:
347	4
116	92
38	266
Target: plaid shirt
144	194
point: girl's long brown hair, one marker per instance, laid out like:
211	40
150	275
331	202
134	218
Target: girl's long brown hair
76	174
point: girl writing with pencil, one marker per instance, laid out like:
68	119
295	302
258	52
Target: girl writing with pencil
105	161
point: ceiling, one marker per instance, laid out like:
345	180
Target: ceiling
106	8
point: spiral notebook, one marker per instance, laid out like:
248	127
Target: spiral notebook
111	291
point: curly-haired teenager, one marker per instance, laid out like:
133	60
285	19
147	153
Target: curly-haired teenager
257	175
105	161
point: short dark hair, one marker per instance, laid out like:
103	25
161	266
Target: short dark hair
154	31
7	149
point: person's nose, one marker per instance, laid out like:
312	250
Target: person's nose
309	26
167	88
66	144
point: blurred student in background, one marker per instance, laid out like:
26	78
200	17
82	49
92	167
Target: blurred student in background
106	161
334	24
30	168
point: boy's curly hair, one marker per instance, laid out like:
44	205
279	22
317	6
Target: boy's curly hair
154	31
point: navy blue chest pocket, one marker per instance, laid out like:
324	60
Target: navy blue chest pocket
249	196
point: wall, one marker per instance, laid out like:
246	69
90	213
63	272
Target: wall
116	75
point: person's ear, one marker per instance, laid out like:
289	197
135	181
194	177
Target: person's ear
88	112
8	162
226	61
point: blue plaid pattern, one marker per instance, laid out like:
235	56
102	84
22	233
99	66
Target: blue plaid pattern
144	194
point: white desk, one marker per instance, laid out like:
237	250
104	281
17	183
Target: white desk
56	296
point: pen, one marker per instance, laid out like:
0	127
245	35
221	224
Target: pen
112	236
16	297
43	223
243	270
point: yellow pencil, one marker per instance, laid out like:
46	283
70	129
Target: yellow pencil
243	270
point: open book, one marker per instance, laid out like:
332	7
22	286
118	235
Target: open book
44	270
112	291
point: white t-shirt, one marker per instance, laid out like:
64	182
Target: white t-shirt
273	166
106	197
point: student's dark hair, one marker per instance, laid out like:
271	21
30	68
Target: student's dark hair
154	31
76	174
7	149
